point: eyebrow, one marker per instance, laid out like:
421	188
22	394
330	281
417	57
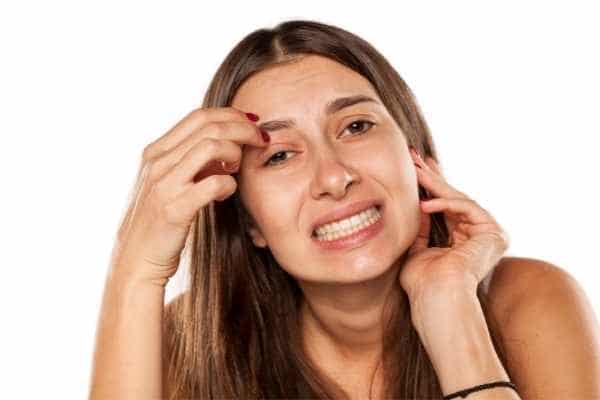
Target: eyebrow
331	108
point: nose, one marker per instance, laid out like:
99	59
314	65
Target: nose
333	177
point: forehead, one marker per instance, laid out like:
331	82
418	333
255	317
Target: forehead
285	87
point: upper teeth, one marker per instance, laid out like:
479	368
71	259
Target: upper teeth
348	223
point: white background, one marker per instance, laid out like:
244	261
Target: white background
510	92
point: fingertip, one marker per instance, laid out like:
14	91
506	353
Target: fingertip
252	117
424	203
265	136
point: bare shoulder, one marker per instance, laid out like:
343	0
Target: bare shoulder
514	278
549	329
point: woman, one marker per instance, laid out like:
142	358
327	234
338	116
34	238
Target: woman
406	296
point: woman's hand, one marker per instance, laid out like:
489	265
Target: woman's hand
181	172
477	242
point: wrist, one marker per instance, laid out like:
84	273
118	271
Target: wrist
130	266
453	331
137	274
441	306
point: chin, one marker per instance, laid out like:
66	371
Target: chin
361	269
365	269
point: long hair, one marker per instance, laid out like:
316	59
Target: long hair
235	333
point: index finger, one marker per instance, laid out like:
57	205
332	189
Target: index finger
195	120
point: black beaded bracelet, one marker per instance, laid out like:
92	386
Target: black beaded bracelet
465	392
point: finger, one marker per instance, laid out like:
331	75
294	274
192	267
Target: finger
192	122
491	246
473	230
191	168
466	207
241	132
462	231
215	188
233	131
433	181
437	185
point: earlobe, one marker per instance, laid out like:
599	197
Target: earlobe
252	230
257	237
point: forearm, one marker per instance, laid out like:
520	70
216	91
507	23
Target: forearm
127	356
454	332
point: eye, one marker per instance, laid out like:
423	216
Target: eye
361	122
276	158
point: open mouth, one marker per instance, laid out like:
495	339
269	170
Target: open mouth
348	226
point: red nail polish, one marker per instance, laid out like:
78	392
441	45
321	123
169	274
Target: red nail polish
417	165
252	117
229	167
265	136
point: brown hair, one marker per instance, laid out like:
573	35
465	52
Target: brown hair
235	333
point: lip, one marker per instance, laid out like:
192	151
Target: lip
353	241
344	212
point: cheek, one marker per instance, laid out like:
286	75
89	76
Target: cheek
392	154
275	223
275	212
393	168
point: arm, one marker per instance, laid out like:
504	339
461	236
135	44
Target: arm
453	330
127	357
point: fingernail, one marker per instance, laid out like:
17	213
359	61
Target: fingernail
417	165
232	168
252	117
226	166
265	136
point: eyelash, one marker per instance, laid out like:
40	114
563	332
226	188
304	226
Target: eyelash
371	125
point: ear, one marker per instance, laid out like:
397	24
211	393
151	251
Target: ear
257	237
250	225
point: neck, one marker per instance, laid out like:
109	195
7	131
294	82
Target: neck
345	322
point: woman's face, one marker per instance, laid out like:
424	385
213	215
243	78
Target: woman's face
321	163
